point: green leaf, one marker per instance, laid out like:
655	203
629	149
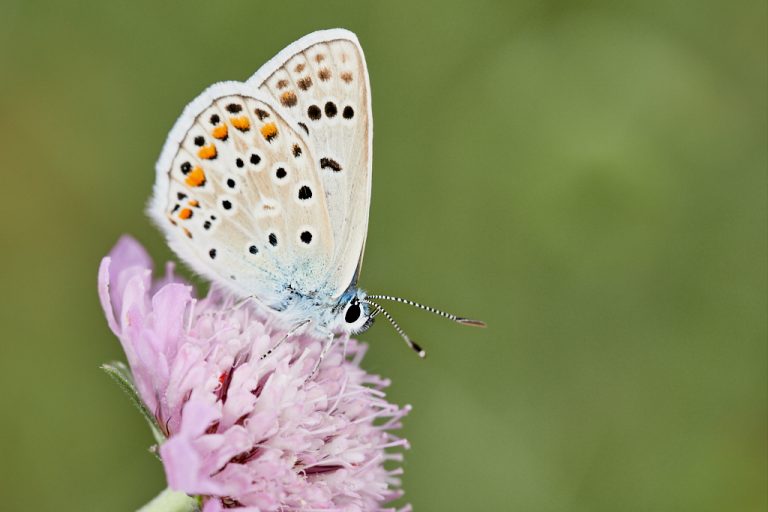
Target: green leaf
122	375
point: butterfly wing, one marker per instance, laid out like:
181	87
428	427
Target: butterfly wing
239	198
320	84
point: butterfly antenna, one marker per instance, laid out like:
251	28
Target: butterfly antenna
380	310
449	316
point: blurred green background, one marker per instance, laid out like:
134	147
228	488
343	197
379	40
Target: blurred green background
588	177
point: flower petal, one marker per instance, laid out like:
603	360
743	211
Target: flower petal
184	464
104	294
128	257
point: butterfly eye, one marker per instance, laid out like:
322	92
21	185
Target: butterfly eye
356	317
353	313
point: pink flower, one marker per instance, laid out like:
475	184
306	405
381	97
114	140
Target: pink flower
243	431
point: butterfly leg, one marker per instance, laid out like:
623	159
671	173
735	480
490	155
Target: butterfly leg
287	335
345	343
329	337
236	306
243	302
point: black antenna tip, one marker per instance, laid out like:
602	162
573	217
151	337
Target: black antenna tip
469	321
417	348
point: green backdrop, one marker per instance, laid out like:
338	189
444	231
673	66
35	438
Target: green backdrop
588	177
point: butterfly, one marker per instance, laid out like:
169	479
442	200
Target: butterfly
264	187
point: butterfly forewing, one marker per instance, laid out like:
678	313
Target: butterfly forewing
320	83
244	204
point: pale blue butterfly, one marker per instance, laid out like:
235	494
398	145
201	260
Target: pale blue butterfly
264	187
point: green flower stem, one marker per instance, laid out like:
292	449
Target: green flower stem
171	501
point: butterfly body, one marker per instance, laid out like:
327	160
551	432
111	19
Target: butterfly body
264	186
324	316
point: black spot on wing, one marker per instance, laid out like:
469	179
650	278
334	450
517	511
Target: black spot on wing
330	163
314	112
305	193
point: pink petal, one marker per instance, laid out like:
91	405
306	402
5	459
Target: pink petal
184	465
213	505
127	252
128	257
169	305
104	295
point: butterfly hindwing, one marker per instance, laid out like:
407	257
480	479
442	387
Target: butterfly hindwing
320	84
239	196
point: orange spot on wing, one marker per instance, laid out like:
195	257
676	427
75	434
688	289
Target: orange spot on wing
185	213
242	123
288	99
207	152
194	203
195	178
221	132
269	131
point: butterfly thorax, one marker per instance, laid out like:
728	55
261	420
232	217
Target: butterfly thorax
346	314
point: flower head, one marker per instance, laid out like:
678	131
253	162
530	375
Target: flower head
246	431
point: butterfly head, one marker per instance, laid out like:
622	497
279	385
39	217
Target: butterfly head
357	310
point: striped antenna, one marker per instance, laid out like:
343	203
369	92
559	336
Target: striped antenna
449	316
414	346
